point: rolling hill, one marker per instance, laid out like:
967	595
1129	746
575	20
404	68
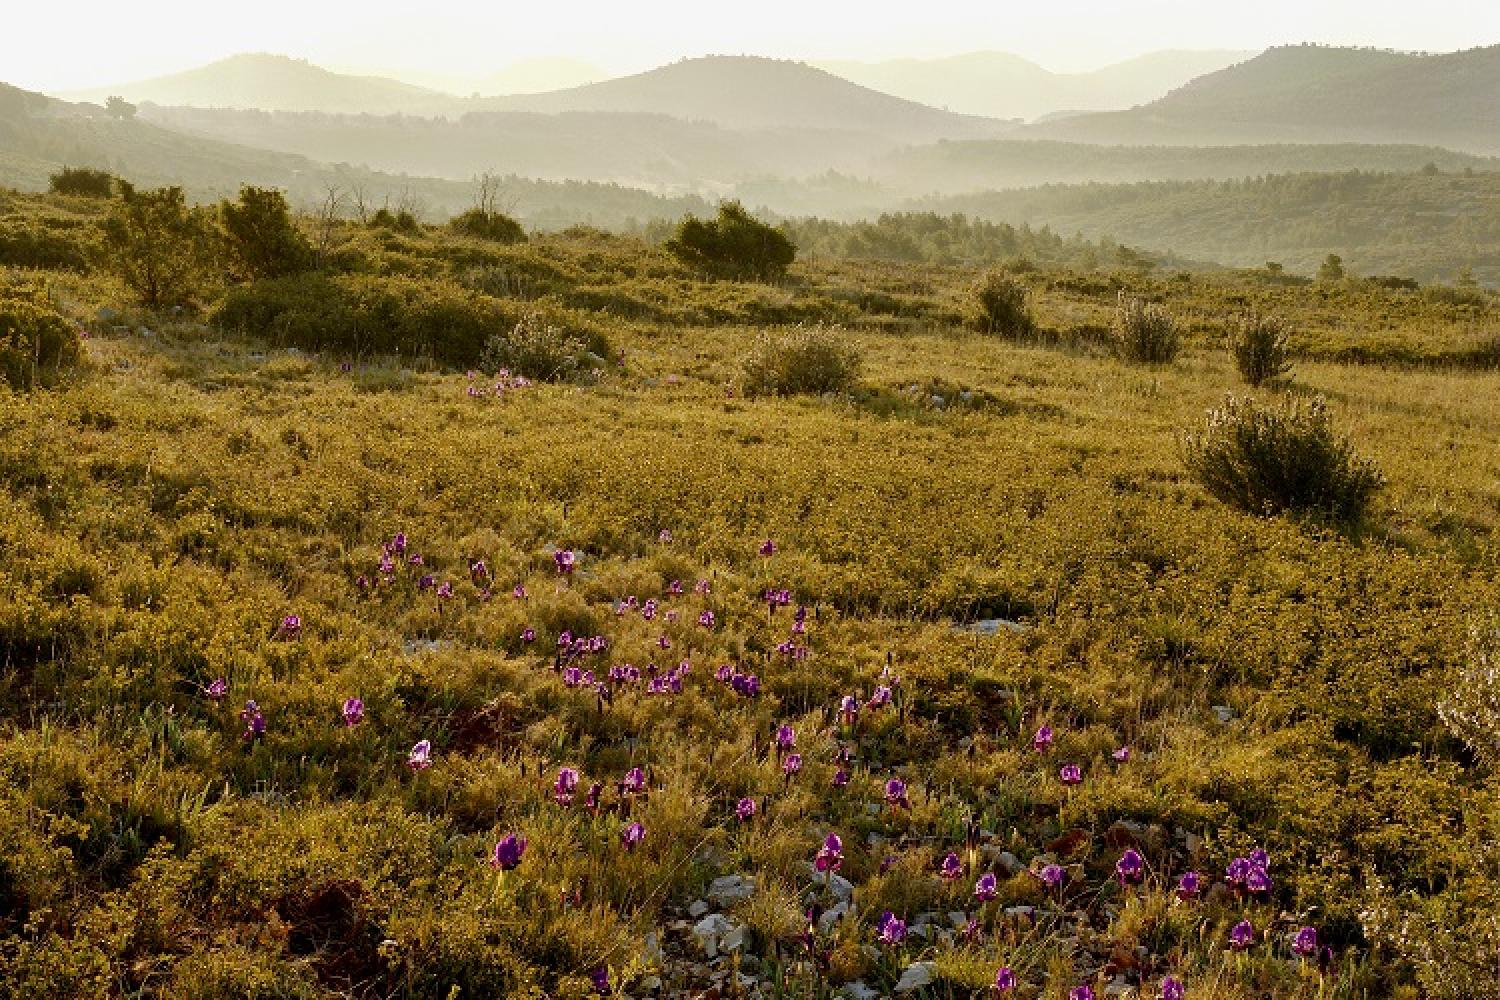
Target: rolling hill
745	92
278	83
1002	85
1310	93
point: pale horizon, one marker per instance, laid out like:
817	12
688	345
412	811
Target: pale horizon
465	42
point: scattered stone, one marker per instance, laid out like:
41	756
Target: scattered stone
958	919
1118	987
697	909
710	930
413	647
832	916
1021	912
859	990
993	626
651	952
1224	714
916	976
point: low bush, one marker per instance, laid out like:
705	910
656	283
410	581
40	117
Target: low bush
82	182
36	341
485	225
1002	302
1260	348
159	247
542	350
1144	332
804	360
365	314
262	234
42	244
1272	460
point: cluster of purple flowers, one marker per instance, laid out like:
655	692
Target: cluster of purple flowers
1250	874
744	685
504	382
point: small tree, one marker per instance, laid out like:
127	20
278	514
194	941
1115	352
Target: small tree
160	248
264	238
735	245
1144	331
1260	348
1002	303
82	182
1332	269
1270	460
119	108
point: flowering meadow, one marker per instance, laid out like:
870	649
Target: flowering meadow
336	676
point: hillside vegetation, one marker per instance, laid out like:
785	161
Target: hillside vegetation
772	639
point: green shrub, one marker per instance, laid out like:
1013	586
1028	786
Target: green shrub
735	245
1260	348
1270	460
36	341
804	360
160	248
82	182
1002	302
1144	332
495	226
43	244
541	350
401	221
365	314
262	234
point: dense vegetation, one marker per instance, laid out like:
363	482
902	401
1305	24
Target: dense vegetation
334	669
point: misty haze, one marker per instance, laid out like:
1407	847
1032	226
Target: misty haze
813	501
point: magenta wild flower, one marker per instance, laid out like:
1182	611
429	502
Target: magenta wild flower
353	711
420	757
507	853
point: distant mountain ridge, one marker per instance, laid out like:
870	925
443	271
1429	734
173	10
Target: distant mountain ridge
1003	85
277	83
1319	94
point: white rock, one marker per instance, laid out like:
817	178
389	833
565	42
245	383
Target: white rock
697	909
916	976
958	919
733	940
709	930
833	916
859	990
1224	714
726	890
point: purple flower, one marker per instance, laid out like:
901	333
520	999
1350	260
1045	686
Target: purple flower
420	758
840	778
255	721
895	793
591	797
706	619
849	709
1172	989
892	929
1131	868
528	635
1258	881
600	979
507	853
1080	993
880	698
1189	885
830	855
479	572
1238	871
1305	942
951	868
767	547
664	536
1052	876
792	766
1042	741
291	627
1121	755
634	782
398	543
217	689
663	641
518	592
1070	774
1005	980
786	737
703	587
444	590
1259	858
354	711
565	560
745	809
632	835
986	889
563	787
675	587
1242	935
427	581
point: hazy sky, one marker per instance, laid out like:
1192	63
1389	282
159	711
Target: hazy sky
92	43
